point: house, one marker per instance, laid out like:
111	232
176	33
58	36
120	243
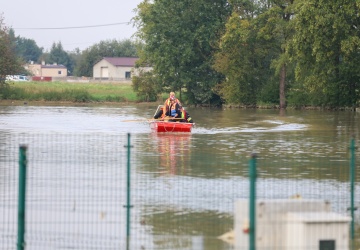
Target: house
116	68
47	70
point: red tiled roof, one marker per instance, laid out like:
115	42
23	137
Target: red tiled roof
122	61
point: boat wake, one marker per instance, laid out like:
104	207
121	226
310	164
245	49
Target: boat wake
230	130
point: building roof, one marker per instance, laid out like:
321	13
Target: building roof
122	61
52	66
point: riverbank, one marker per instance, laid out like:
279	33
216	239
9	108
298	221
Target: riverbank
70	103
69	92
100	93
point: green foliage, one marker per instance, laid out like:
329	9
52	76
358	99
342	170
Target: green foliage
4	89
298	97
25	48
243	60
8	92
59	56
72	92
325	48
76	95
253	52
110	98
232	51
95	53
180	38
51	96
75	57
269	92
9	64
146	85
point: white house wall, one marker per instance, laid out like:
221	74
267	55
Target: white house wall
97	68
121	71
115	72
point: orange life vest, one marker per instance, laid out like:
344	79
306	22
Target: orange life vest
167	104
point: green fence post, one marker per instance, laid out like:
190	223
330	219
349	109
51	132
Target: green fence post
128	205
352	188
252	203
21	197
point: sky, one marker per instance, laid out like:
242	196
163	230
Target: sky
47	21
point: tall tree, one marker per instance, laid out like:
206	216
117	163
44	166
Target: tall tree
25	48
75	56
110	48
326	48
180	39
9	64
278	31
59	56
253	51
240	57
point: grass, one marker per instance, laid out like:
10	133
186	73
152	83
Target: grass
64	91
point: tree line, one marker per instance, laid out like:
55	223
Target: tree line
22	50
252	52
239	52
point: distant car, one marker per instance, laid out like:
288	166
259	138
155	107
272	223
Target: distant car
22	78
9	78
16	78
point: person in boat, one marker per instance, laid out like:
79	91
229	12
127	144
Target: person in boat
165	111
185	116
174	111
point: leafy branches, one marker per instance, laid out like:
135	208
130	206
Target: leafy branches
181	38
9	64
326	49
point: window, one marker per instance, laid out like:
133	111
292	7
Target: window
127	75
59	72
327	245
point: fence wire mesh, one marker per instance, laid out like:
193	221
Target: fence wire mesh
181	197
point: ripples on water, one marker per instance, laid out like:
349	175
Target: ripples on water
78	153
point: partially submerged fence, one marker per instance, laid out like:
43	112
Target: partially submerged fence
86	192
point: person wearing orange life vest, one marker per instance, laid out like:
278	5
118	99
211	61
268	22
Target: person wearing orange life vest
174	110
165	111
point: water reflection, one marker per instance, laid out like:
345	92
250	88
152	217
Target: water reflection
183	185
192	232
174	152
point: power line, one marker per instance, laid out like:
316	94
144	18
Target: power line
77	27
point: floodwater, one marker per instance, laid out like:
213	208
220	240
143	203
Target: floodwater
182	186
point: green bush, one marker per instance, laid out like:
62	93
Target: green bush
8	92
50	96
76	95
115	98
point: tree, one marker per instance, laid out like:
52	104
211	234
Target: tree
180	38
110	48
59	56
278	31
253	52
9	64
238	58
75	57
25	48
145	86
326	49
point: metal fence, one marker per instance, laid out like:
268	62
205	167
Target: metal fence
92	195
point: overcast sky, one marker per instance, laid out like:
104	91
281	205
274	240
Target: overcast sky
28	17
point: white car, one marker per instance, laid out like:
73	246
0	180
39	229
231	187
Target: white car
16	78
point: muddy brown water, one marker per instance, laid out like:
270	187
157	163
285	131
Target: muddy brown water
183	186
